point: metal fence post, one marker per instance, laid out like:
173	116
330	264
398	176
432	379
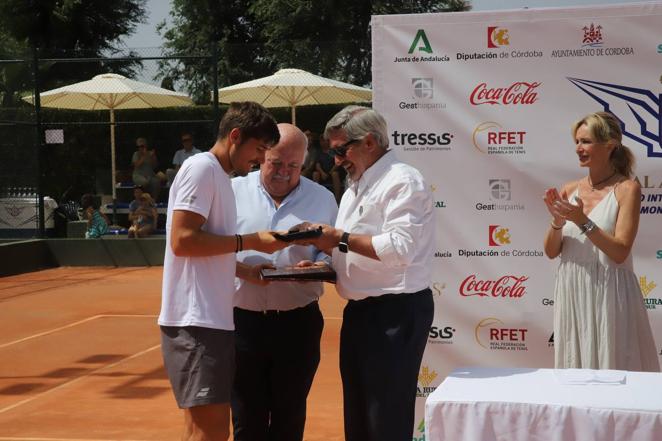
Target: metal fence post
217	116
38	139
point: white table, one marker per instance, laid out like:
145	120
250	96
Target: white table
19	216
508	404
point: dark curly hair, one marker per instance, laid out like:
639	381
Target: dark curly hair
252	119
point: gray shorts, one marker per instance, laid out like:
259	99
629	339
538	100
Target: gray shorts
200	364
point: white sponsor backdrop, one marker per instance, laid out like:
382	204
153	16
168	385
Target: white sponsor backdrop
482	104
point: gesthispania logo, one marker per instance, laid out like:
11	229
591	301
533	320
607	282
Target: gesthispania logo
424	43
425	379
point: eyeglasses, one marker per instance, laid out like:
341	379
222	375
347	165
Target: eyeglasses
187	139
341	150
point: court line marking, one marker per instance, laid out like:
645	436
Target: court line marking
71	325
77	379
70	282
94	317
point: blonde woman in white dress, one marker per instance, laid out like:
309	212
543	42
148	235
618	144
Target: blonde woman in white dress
600	321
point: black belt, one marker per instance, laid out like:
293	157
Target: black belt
391	297
278	312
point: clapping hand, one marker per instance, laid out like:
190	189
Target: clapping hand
561	209
552	199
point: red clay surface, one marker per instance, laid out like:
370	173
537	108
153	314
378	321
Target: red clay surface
80	359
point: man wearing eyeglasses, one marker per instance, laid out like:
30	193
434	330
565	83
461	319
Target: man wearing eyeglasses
381	246
181	155
278	325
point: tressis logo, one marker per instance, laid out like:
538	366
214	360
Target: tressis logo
420	43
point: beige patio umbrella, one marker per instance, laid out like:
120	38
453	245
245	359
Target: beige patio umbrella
112	92
292	88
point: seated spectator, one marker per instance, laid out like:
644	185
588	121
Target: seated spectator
135	203
144	164
312	154
181	155
144	216
97	222
326	172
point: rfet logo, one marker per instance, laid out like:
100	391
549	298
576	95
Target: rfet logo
498	236
491	138
521	92
505	286
497	37
491	333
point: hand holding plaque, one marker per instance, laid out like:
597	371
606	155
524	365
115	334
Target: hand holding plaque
313	273
297	234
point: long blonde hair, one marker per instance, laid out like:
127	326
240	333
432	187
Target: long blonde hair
603	128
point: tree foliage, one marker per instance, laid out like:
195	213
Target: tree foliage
64	28
257	37
198	26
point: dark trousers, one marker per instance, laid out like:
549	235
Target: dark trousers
277	355
381	347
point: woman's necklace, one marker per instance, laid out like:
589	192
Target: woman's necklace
592	185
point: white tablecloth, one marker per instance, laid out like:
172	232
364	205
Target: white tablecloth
507	404
21	213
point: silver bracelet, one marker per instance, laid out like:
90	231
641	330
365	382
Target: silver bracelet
588	227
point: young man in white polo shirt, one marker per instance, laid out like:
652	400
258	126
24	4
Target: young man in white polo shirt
197	328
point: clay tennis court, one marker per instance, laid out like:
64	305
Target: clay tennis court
80	359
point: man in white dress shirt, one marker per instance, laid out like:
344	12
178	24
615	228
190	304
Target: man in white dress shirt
382	245
278	326
197	327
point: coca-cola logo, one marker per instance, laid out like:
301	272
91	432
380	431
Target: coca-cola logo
517	93
506	286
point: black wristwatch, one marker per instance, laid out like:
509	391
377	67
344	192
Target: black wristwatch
343	245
